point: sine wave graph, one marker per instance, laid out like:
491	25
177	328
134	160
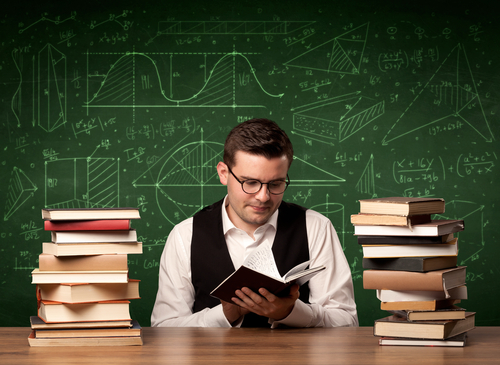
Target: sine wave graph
176	80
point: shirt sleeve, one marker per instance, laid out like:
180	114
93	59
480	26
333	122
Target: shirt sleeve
331	291
175	296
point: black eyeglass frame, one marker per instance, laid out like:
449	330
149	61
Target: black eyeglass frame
287	182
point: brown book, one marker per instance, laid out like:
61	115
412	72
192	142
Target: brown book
82	293
254	280
445	314
389	220
423	305
48	262
259	270
75	249
101	311
438	280
402	206
395	326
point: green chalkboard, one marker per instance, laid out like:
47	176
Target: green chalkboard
129	105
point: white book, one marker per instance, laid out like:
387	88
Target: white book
455	341
421	250
383	295
94	236
434	228
90	213
76	249
57	277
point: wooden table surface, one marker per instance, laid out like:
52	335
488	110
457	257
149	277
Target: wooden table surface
253	346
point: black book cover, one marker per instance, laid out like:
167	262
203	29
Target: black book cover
415	264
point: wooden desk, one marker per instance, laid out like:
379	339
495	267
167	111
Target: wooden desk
253	346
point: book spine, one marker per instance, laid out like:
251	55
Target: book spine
402	280
48	262
92	225
414	264
93	236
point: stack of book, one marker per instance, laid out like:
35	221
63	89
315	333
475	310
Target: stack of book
411	262
83	286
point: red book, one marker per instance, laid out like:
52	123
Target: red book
90	225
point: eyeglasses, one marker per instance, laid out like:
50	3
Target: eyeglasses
275	187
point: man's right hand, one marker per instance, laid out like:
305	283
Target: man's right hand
233	312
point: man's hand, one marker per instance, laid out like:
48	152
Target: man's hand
232	311
267	304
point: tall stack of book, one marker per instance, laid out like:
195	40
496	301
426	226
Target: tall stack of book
411	262
83	286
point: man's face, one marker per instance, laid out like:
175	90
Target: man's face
249	211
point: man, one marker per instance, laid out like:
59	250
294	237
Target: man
203	250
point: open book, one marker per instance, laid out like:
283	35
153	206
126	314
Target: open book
259	270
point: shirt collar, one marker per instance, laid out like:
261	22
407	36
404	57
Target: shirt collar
227	225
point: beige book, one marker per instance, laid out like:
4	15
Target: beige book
101	311
81	293
395	326
49	262
402	205
86	341
75	249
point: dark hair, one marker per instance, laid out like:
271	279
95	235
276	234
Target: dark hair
258	137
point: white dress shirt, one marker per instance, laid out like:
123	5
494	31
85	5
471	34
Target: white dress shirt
331	291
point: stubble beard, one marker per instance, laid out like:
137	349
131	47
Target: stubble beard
249	216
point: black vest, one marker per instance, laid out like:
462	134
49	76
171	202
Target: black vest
211	262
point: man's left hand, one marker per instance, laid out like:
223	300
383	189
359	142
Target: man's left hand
267	304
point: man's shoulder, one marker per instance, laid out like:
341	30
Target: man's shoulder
312	215
187	224
183	226
210	209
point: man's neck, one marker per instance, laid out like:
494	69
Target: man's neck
240	224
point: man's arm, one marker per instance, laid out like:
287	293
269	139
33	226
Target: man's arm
331	291
175	297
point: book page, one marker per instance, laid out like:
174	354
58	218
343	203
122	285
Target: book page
296	269
262	260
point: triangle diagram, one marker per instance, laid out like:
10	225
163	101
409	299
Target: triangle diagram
366	182
52	80
192	165
20	189
315	175
450	93
342	54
